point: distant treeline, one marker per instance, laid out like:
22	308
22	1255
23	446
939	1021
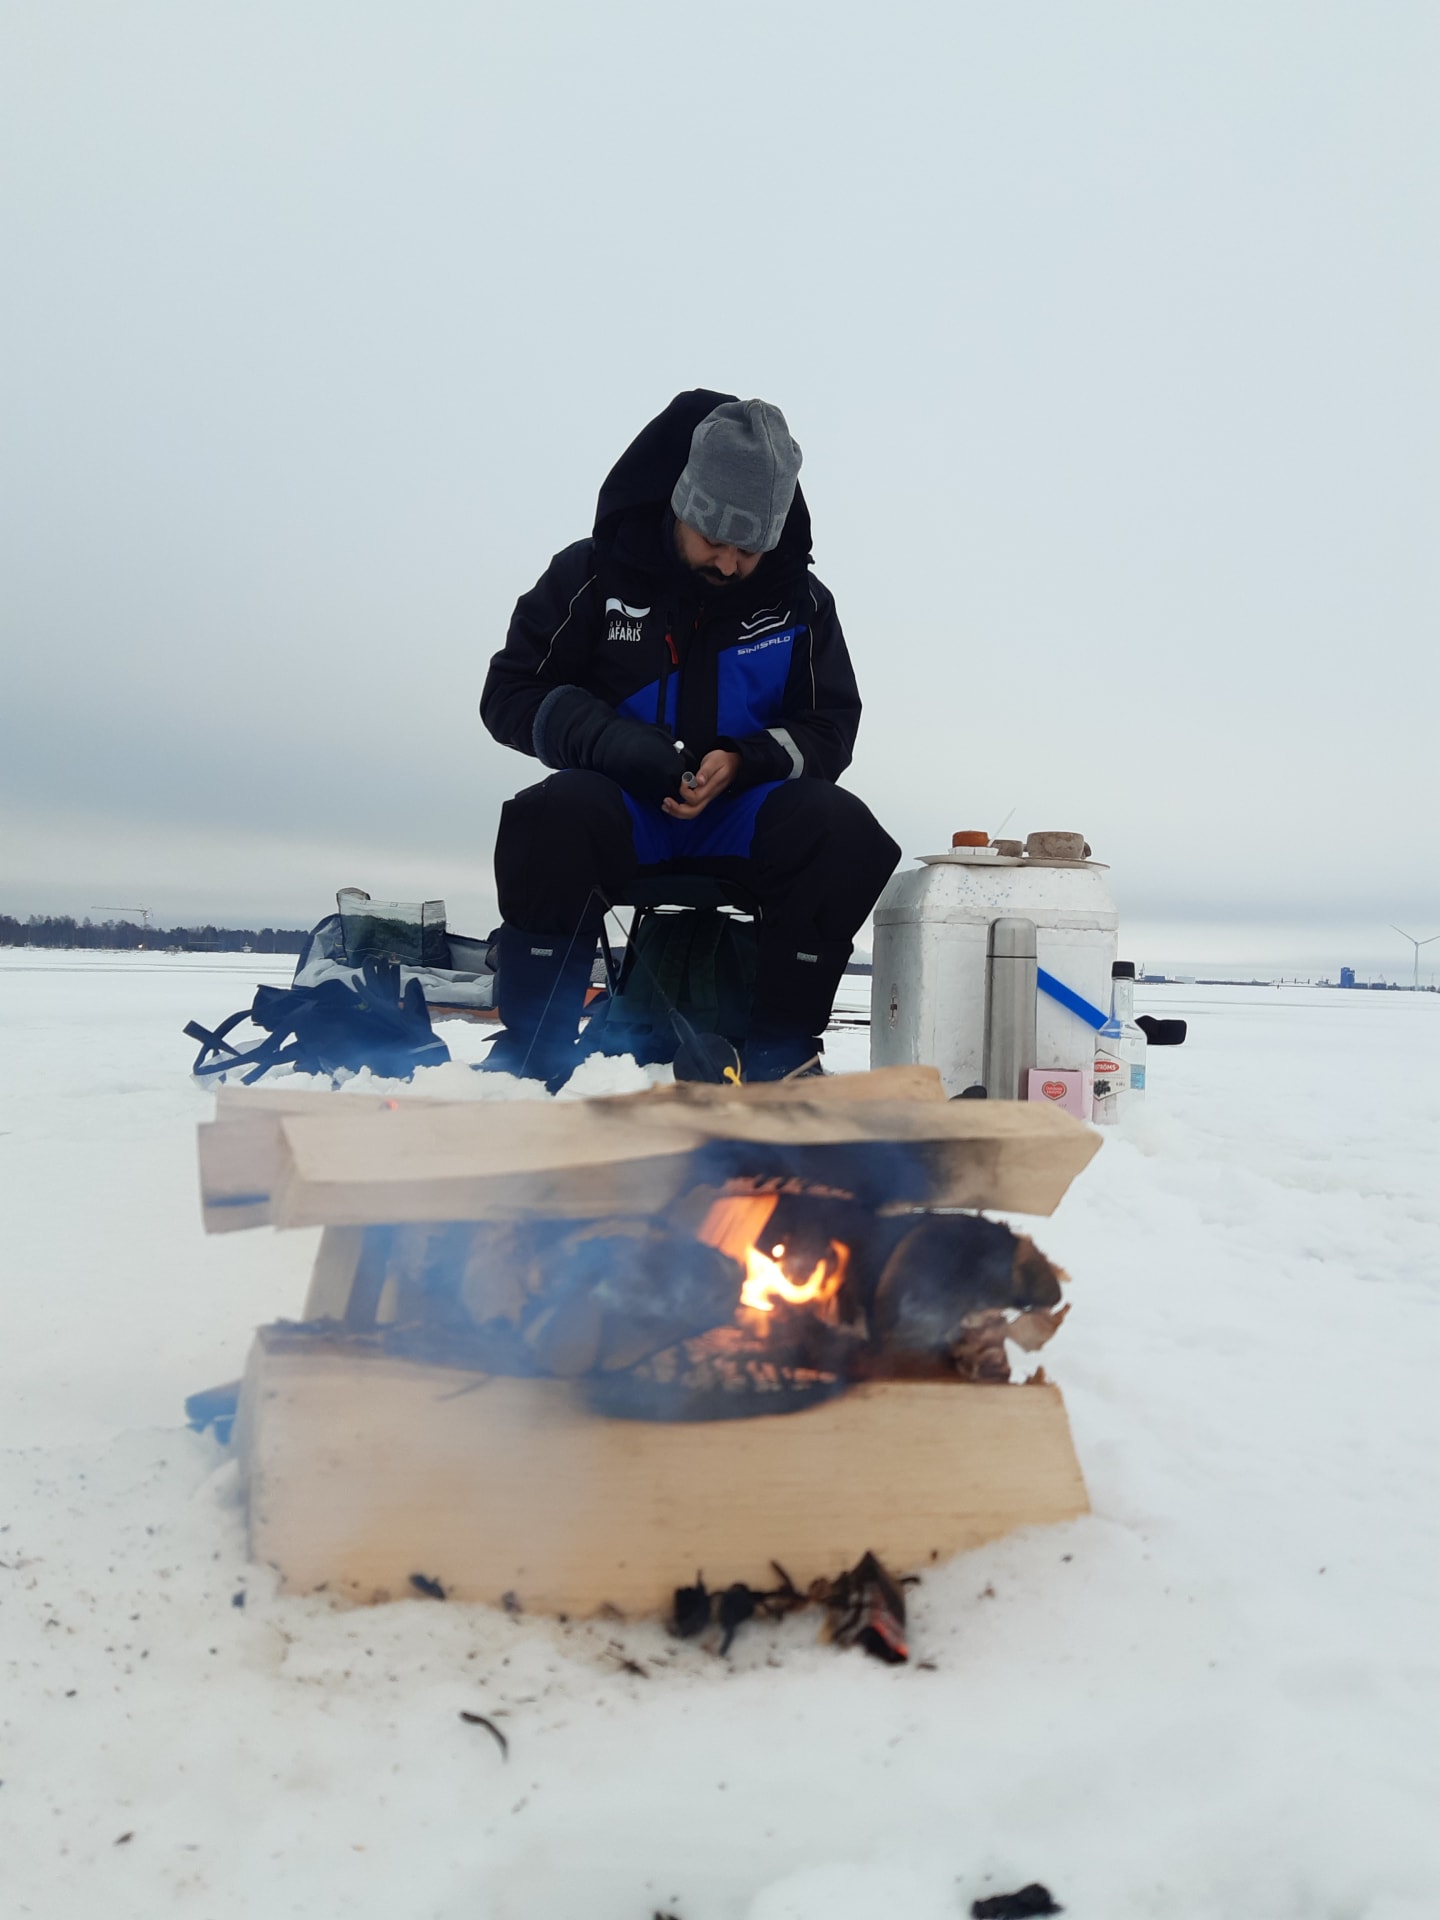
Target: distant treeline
63	930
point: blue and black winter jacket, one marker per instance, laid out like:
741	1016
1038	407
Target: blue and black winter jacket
759	666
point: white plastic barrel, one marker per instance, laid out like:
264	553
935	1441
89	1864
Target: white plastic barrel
927	994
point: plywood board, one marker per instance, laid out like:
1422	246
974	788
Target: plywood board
362	1470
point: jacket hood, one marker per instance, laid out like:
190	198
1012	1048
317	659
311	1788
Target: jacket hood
632	514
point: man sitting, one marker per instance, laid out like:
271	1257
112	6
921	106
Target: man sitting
684	673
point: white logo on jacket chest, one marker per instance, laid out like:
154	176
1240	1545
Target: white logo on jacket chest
765	621
624	621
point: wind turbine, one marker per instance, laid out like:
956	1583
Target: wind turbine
1417	944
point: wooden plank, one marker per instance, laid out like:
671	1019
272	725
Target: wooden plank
239	1165
364	1470
826	1090
333	1275
243	1103
580	1158
241	1152
887	1083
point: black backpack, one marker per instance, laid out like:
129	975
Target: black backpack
336	1026
700	963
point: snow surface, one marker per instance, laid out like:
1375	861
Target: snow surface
1218	1696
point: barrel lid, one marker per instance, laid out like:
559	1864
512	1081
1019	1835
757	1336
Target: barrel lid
987	857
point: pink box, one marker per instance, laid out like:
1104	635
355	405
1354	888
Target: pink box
1059	1087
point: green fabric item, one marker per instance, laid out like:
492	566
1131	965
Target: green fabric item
700	962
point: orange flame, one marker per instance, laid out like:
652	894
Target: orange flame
735	1222
766	1281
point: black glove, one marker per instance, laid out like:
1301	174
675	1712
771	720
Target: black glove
1163	1033
576	729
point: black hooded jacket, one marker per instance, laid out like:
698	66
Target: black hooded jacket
758	666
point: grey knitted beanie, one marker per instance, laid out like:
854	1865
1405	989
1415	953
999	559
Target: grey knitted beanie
740	478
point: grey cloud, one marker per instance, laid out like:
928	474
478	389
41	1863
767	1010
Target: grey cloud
1108	335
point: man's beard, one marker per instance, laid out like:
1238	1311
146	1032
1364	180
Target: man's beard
713	577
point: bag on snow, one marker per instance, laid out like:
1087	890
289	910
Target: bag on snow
456	974
370	1018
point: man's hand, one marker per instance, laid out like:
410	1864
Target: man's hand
717	770
577	729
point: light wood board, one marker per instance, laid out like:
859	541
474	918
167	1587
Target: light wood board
242	1152
363	1470
585	1158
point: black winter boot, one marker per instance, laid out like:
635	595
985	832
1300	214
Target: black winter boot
794	991
794	1058
541	982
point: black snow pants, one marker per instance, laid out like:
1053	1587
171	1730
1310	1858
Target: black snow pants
815	859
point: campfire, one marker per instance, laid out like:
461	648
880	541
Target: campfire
537	1340
751	1296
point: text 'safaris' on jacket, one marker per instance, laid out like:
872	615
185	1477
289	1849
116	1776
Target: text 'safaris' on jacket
758	666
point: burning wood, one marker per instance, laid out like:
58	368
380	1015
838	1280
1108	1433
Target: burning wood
752	1297
795	1264
865	1607
727	1374
480	1291
621	1290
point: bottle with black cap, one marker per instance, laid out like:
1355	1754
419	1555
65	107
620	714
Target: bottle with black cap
1130	1048
1119	1070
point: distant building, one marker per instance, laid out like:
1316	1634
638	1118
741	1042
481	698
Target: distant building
1347	976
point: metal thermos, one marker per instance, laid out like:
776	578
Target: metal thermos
1009	1007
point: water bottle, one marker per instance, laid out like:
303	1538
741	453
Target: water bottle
1131	1044
1119	1066
1107	1074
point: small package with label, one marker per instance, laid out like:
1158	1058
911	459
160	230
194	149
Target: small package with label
1060	1087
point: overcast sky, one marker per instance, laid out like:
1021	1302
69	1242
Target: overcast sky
1108	332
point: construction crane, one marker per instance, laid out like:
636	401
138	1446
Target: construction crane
144	913
1417	944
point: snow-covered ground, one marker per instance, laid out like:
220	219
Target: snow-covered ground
1216	1699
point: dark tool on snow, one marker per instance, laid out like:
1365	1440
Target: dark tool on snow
1028	1901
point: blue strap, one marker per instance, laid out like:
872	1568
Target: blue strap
1068	998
